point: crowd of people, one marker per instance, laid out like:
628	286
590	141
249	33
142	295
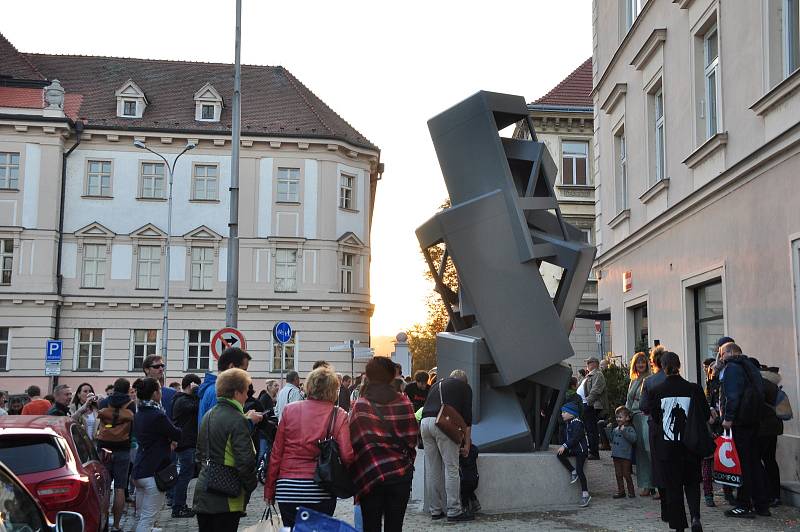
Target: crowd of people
667	428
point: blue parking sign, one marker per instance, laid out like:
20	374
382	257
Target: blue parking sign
53	350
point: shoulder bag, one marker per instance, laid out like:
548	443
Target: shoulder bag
450	421
221	479
167	477
331	474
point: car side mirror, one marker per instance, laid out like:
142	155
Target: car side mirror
69	522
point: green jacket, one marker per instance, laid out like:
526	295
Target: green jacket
224	437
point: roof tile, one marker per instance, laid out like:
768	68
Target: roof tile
573	91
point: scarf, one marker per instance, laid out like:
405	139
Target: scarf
380	393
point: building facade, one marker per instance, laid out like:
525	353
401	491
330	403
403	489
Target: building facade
83	217
696	155
563	119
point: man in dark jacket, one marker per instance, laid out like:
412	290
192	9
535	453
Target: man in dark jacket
63	395
184	415
742	401
344	393
417	391
120	447
770	428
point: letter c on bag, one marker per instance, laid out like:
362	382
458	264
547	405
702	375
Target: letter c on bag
722	452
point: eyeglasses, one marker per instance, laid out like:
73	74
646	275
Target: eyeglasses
158	366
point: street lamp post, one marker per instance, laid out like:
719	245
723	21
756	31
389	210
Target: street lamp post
165	325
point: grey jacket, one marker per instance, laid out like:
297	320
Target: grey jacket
595	386
622	441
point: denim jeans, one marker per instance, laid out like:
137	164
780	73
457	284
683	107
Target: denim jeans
185	475
149	501
263	447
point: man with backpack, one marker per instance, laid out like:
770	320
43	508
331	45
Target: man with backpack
184	416
770	428
115	421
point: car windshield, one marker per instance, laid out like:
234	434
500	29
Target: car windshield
18	511
30	454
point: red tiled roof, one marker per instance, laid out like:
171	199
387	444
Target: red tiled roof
574	90
21	97
14	64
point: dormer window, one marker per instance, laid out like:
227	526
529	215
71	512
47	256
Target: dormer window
208	104
131	101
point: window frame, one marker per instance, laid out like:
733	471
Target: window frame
102	258
7	343
292	344
206	272
150	261
790	37
660	136
143	177
622	186
711	68
698	320
203	107
125	103
574	158
199	343
287	265
133	343
347	197
91	343
87	186
206	179
4	255
346	284
6	166
290	181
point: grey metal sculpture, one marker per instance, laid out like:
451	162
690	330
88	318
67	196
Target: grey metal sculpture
505	329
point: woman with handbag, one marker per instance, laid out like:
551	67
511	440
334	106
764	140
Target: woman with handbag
155	433
295	452
227	457
445	427
639	371
384	434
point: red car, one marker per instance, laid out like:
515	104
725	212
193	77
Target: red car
58	463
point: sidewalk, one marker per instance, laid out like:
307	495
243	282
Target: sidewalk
604	514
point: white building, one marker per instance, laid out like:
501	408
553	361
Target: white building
696	155
307	181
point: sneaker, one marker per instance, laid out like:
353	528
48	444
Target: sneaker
436	517
710	501
585	501
764	513
774	503
182	512
618	496
696	526
573	477
741	512
631	495
460	518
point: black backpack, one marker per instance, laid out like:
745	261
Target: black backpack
752	406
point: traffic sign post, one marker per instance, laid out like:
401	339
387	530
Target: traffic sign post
225	338
349	345
282	332
53	353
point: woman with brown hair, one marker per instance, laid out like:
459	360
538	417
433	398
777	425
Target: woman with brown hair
639	371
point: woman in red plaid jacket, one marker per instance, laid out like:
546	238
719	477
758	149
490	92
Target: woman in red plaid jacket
383	431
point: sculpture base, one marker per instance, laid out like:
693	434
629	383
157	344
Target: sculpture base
511	482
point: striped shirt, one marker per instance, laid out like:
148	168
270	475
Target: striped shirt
300	491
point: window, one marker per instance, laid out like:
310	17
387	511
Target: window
346	187
6	260
144	344
5	348
149	263
129	108
288	185
641	329
347	273
83	444
286	270
658	107
621	171
94	265
709	322
152	180
574	165
198	350
98	178
279	355
204	182
208	112
711	81
632	9
90	348
9	170
790	20
202	266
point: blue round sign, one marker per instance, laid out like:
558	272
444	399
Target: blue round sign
282	332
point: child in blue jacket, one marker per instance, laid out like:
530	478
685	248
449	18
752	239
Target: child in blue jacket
575	444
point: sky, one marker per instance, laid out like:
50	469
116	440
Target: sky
386	67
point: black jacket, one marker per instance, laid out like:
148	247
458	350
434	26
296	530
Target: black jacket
680	415
184	416
154	432
770	424
739	374
455	393
58	410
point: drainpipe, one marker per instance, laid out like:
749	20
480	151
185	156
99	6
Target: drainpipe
59	277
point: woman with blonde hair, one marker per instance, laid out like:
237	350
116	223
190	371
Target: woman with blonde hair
639	371
290	479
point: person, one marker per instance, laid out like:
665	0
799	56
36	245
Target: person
224	438
3	401
639	371
232	357
115	418
84	408
680	413
153	367
63	395
656	377
575	444
468	471
269	426
289	393
109	389
441	453
770	428
399	385
36	406
594	404
184	416
344	392
711	390
623	441
417	391
155	434
175	385
741	396
383	432
320	364
269	398
293	460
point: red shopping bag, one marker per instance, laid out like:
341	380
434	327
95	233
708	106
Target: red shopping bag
727	466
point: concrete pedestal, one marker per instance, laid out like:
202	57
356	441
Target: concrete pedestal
512	482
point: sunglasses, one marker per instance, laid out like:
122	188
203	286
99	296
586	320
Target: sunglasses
158	366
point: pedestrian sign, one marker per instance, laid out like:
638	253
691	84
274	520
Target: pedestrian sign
282	332
225	338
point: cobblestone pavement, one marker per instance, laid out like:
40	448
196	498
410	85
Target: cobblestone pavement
604	514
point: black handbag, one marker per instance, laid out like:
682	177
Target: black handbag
331	474
221	479
167	477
